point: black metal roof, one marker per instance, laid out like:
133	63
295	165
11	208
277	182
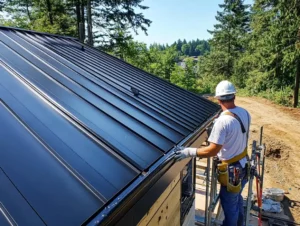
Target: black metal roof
78	126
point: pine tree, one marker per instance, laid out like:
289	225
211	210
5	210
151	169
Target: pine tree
111	15
179	45
185	49
233	25
102	18
274	47
1	4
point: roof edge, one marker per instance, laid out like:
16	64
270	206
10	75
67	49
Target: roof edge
37	32
105	215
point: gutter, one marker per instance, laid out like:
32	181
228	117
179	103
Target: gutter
118	206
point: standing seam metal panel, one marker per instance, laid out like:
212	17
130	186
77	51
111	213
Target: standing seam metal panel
142	96
159	83
136	147
125	119
125	96
59	134
105	96
150	90
128	88
46	171
76	118
158	87
133	73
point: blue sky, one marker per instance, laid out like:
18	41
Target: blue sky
174	19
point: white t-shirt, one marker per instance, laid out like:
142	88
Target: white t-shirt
227	132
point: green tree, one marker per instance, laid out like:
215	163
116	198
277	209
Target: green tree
186	77
102	18
111	15
232	26
137	54
51	16
274	43
179	45
185	49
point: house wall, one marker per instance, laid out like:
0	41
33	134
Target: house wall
145	199
166	209
160	203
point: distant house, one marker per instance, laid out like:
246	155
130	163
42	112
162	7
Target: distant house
182	63
195	58
88	139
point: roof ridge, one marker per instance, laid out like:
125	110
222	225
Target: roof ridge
37	32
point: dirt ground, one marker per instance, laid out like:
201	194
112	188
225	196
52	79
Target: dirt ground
282	138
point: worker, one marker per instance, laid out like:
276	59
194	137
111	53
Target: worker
227	140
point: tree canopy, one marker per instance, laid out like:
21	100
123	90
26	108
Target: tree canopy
257	47
102	20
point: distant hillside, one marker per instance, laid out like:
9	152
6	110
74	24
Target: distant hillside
191	48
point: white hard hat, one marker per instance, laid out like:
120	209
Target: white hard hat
225	90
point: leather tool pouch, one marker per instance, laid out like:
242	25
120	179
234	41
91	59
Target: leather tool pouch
223	179
223	174
234	188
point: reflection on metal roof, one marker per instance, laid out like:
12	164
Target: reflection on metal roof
78	125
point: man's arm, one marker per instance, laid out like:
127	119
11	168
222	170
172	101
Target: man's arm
216	141
209	151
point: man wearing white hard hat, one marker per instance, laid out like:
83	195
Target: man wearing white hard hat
227	141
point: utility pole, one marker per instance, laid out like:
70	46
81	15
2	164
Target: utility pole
89	22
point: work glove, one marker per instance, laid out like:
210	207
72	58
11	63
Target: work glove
185	153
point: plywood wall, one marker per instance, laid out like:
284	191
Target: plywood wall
166	210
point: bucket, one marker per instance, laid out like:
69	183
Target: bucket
275	194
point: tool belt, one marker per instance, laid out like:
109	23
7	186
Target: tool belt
222	167
223	173
236	158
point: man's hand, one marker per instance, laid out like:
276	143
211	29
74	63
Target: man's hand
205	152
185	153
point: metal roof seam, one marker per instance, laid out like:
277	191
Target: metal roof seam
141	95
57	157
131	83
3	210
71	119
108	89
103	213
136	98
76	94
74	82
150	75
23	197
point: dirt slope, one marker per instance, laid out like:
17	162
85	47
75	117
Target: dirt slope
282	138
